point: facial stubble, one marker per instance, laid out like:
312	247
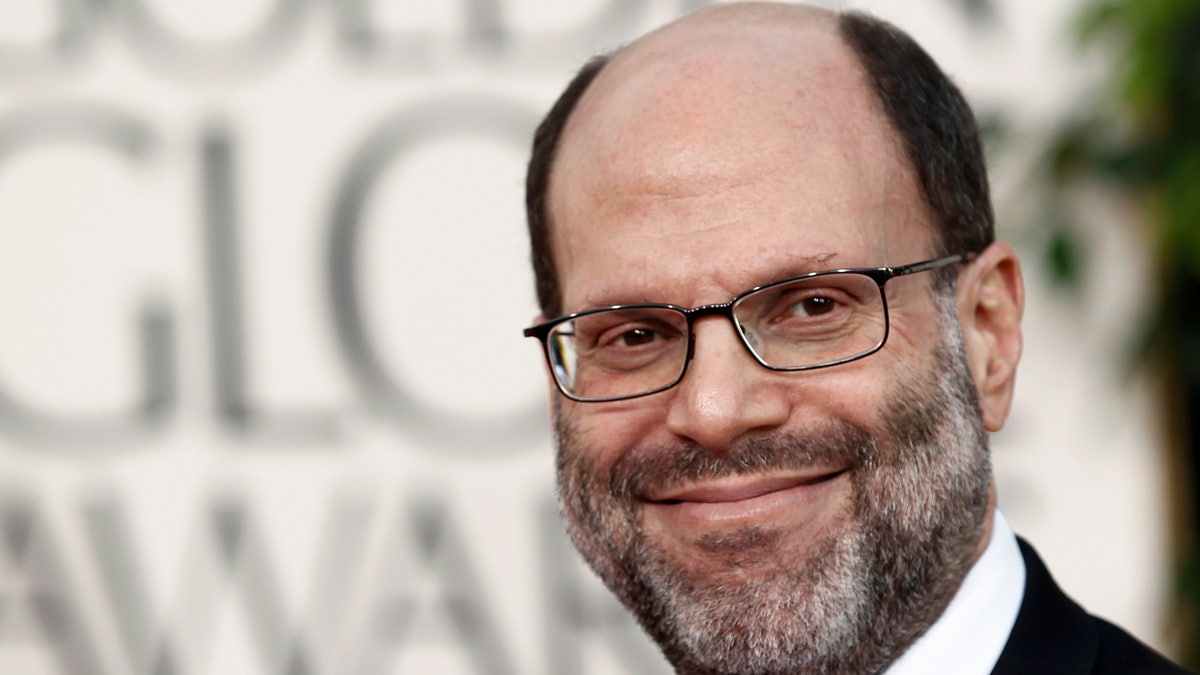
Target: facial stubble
867	587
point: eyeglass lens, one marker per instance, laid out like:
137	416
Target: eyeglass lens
804	323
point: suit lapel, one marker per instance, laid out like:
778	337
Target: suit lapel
1052	633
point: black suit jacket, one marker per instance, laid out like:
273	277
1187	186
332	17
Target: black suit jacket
1054	636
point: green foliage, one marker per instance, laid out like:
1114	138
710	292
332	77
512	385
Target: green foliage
1147	135
1063	253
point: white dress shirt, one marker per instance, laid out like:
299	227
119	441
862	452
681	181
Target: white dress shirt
968	637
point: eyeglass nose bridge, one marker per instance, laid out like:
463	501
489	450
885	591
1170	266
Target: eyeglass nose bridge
724	309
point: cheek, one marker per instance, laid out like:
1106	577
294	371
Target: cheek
915	324
863	390
856	392
609	430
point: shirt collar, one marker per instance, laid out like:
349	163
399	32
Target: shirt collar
970	634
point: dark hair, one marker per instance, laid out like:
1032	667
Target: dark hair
936	126
537	184
928	112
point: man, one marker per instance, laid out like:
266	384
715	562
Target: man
793	476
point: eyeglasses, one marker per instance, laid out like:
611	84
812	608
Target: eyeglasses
810	321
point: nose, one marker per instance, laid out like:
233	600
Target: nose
725	394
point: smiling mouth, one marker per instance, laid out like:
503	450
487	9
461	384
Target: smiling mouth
721	492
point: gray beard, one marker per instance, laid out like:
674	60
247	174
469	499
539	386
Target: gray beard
869	588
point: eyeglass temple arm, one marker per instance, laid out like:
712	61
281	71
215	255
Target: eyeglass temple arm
933	264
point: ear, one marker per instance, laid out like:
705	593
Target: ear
991	299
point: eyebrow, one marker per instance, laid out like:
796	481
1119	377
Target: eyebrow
793	268
613	299
804	265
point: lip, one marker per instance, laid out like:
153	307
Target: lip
742	499
740	488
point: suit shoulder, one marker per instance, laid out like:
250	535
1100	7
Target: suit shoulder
1121	653
1053	634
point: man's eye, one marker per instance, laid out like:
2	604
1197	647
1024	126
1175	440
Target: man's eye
814	306
637	337
632	337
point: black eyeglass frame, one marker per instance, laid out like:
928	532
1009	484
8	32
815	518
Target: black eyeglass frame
880	275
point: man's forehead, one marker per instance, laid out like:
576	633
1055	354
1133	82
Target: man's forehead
678	103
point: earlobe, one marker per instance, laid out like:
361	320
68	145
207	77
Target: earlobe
991	300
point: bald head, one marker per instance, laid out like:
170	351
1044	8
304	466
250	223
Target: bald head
732	80
772	23
739	83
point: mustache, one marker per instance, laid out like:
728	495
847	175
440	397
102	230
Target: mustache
650	469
